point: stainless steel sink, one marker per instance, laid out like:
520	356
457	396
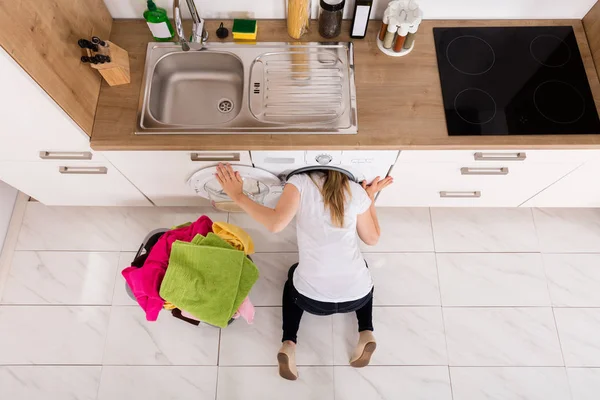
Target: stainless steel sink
233	88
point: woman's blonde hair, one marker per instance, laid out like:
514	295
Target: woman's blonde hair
334	189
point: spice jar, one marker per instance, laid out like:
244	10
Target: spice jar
330	17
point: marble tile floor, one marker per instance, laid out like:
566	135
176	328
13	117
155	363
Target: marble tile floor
470	304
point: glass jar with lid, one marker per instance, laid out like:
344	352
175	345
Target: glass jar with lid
331	13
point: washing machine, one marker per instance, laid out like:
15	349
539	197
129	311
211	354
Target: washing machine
264	181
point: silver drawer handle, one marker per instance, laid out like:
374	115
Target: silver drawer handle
480	156
83	170
65	155
483	171
222	157
463	195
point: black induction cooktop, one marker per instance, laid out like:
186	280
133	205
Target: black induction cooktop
514	81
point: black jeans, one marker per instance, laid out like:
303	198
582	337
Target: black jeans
294	305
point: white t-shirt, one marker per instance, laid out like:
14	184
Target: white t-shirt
331	267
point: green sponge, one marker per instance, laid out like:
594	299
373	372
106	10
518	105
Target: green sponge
244	29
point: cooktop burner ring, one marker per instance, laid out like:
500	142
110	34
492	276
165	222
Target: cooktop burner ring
480	97
571	102
562	52
476	41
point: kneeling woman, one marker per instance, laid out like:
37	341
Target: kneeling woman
331	275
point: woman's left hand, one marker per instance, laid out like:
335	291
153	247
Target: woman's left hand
230	181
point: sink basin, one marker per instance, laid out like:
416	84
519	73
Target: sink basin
198	88
232	88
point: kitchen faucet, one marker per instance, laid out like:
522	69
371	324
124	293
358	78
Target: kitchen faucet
199	34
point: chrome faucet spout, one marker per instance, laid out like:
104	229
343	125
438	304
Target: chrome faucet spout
199	34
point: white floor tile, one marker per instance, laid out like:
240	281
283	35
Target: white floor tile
52	334
502	337
191	214
386	383
402	230
120	296
264	383
273	269
257	344
405	336
484	230
169	341
578	329
568	230
404	278
42	277
492	279
265	241
573	279
139	221
49	382
584	382
158	383
72	228
506	383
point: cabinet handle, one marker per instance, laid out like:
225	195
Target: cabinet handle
446	194
483	171
83	170
221	157
479	156
65	155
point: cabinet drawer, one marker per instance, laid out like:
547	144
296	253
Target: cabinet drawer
72	183
162	175
469	184
505	156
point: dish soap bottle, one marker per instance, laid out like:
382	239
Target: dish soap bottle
158	22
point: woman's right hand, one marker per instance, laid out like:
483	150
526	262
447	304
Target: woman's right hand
377	185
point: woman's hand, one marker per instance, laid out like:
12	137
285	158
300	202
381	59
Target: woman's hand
230	181
376	186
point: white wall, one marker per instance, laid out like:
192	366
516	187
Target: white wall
8	195
433	9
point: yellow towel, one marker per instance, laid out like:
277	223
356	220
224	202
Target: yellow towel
235	236
169	306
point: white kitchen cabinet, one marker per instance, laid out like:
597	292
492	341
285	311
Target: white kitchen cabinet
421	181
72	183
32	121
580	188
162	175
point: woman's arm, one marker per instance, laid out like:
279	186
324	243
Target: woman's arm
275	220
367	222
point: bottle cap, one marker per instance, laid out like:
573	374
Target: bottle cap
333	5
151	5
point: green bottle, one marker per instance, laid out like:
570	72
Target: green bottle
159	23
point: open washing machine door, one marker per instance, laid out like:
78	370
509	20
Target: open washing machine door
259	185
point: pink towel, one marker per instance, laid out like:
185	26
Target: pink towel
145	282
246	311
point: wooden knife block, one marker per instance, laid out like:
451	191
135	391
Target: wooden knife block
116	72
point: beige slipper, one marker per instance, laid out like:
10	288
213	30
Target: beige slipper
364	350
287	361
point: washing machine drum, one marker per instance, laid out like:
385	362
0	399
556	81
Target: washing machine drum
317	168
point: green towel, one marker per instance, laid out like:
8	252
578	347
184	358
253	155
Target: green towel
208	278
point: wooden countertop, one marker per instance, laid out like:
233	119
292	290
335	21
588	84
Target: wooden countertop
399	99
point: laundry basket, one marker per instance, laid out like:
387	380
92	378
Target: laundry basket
141	255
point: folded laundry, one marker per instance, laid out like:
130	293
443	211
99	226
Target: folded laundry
208	278
145	282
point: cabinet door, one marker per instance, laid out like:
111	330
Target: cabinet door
72	183
581	188
162	175
469	184
31	120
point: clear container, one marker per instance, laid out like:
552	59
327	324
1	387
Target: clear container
298	17
331	13
255	190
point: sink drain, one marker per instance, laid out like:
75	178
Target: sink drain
225	105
